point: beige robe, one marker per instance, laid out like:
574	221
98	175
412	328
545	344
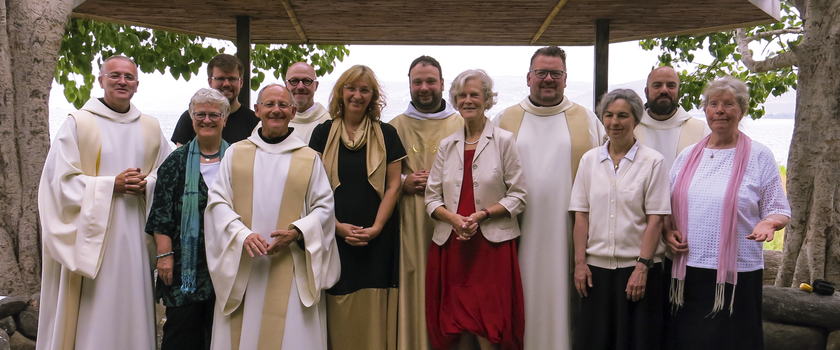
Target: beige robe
306	121
669	137
244	289
421	138
545	247
96	289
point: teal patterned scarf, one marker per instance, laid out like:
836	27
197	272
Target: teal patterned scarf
190	216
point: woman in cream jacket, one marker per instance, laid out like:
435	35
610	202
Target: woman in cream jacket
475	190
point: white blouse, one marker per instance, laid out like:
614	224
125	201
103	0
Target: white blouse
761	194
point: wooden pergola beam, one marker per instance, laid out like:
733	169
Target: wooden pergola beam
548	20
294	20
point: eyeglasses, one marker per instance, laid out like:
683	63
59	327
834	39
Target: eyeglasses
205	115
296	81
272	104
542	73
352	89
226	79
129	78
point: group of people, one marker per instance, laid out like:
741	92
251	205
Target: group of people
300	226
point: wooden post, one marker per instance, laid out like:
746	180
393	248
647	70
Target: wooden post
243	52
602	58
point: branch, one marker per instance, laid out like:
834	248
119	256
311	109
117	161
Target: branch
784	59
771	33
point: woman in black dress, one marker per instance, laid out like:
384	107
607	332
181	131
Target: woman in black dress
362	157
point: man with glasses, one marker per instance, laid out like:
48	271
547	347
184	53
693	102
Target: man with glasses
96	288
426	120
224	73
270	270
552	134
300	80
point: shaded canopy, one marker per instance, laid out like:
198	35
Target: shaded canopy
434	22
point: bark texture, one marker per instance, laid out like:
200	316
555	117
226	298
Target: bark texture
30	37
812	241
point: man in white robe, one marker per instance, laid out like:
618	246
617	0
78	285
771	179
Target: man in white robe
552	134
96	288
301	81
665	126
427	120
270	271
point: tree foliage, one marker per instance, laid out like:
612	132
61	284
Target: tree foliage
87	42
729	56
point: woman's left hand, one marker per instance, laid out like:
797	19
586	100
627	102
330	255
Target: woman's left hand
364	235
636	284
478	217
764	231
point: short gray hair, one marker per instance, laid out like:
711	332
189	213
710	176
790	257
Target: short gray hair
630	96
291	97
457	86
212	96
728	84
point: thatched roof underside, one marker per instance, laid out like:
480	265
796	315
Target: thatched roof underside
433	22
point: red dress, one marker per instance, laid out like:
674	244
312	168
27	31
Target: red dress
474	286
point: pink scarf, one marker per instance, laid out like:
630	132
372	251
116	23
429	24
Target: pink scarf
727	268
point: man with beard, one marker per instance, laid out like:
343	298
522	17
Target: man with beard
665	126
224	73
300	80
426	121
552	133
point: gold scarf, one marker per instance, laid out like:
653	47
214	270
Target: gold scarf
369	133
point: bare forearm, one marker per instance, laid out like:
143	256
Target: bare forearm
651	236
581	234
164	243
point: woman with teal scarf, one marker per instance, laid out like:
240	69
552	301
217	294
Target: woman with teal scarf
177	222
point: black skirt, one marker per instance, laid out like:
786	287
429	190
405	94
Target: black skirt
694	326
608	320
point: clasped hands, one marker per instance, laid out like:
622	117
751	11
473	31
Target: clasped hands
130	181
255	244
467	226
356	236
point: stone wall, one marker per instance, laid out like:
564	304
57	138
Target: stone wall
19	322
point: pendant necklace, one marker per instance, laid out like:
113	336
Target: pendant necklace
208	157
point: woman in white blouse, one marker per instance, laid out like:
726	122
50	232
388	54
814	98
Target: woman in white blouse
727	199
475	190
620	197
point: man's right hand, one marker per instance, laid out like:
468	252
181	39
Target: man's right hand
255	244
130	181
415	183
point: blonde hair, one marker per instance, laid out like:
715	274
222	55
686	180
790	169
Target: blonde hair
354	74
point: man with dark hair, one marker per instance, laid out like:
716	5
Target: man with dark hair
98	178
224	73
666	126
552	134
426	121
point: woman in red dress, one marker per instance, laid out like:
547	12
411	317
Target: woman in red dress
475	190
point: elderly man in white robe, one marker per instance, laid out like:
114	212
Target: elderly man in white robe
96	287
552	134
665	126
302	82
270	270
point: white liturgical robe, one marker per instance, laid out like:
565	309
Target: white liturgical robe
96	289
669	137
306	121
545	147
244	289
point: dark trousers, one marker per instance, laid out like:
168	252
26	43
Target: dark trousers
609	321
188	327
694	326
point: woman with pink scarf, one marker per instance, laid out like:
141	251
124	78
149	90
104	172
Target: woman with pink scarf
727	199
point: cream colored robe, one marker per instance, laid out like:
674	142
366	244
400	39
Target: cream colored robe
420	134
89	230
545	247
665	136
306	121
316	267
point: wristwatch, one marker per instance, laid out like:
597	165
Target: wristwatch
647	262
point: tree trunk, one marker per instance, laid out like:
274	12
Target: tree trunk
30	37
812	240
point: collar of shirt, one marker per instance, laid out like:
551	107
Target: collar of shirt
631	154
